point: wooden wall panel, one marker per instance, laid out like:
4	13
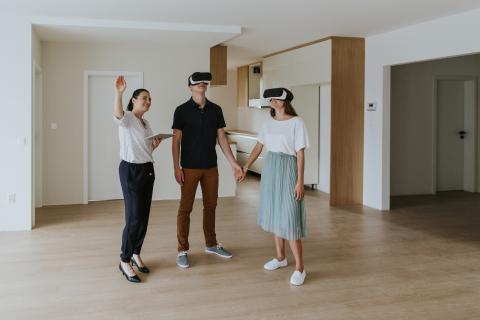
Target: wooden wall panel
348	77
242	86
218	65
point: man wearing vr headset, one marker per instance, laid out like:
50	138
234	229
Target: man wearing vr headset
197	124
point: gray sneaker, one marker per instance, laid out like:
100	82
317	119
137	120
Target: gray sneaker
182	260
219	251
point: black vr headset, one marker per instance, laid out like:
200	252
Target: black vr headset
199	77
278	94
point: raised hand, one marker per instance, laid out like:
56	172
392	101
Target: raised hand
120	84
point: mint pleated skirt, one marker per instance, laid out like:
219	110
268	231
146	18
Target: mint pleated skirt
279	212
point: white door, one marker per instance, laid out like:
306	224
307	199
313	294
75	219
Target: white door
103	144
456	135
307	105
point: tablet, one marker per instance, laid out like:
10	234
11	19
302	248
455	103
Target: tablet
160	135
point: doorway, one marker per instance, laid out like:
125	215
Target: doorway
455	136
37	145
434	135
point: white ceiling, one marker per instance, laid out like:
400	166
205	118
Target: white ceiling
267	25
108	31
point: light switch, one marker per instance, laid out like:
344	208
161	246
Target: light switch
372	106
53	126
11	197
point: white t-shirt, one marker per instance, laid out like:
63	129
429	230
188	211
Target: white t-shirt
287	136
131	132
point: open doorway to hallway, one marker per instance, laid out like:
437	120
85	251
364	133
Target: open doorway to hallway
434	135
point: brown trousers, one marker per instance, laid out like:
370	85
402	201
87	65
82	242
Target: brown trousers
208	179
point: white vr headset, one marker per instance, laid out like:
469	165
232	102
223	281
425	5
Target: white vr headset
197	82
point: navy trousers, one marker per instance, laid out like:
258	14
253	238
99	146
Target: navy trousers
137	186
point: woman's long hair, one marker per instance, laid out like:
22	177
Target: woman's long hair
288	109
135	95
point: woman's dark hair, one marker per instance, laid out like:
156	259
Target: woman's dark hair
288	109
135	95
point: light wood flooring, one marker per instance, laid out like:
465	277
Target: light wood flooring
419	261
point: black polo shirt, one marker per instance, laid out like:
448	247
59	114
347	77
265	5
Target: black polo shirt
199	133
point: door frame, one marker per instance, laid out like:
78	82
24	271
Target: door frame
436	79
37	108
86	77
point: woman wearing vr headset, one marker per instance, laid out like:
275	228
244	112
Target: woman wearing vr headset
136	174
282	209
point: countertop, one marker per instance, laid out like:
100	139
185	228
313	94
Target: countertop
242	132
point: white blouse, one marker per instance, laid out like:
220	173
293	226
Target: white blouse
286	136
131	132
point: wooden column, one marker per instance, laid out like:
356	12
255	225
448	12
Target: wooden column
242	86
348	82
218	65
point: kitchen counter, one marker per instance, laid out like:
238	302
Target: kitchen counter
242	132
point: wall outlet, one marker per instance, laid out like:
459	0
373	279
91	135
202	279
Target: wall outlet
11	197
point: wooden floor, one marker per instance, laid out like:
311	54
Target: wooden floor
419	261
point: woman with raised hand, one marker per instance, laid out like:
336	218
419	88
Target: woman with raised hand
282	209
136	174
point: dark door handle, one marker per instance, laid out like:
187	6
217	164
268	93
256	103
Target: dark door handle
462	134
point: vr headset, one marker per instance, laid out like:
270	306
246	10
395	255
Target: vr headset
278	94
199	77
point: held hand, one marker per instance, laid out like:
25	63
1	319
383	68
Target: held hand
299	191
237	172
120	84
244	172
179	176
156	142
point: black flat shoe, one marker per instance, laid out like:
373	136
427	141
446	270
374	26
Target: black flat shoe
143	269
135	278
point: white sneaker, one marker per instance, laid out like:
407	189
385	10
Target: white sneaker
298	278
275	264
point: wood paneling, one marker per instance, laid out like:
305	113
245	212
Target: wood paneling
348	77
242	86
218	65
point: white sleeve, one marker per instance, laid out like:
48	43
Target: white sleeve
261	134
301	136
148	128
125	120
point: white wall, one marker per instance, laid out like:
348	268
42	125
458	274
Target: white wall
445	37
165	76
226	97
412	96
15	131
